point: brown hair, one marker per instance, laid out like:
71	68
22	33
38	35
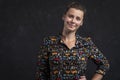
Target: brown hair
75	5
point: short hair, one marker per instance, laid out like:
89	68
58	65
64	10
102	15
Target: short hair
75	5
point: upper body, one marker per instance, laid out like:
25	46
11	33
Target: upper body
58	62
64	57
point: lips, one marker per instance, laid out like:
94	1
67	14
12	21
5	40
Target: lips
71	25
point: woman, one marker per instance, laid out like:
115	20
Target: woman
64	57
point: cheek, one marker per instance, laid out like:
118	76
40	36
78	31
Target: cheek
79	23
66	19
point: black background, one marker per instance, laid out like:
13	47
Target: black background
23	24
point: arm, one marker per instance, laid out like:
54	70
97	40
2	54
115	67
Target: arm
97	76
99	59
42	72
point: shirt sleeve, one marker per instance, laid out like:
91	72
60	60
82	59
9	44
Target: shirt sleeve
98	58
42	68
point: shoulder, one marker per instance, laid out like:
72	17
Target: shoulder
86	39
51	39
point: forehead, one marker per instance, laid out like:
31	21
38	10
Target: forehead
75	12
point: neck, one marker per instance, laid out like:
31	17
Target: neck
68	36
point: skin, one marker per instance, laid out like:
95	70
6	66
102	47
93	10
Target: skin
73	20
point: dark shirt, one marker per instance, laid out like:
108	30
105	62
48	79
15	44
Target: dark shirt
57	62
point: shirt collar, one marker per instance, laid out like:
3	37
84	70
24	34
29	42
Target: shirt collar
77	38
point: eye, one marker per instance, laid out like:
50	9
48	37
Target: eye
70	16
78	18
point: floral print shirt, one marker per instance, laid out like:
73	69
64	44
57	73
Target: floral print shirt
57	62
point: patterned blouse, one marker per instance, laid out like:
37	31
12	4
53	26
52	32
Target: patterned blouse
57	62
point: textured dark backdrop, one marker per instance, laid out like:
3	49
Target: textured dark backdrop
23	24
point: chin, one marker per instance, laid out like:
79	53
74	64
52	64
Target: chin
72	30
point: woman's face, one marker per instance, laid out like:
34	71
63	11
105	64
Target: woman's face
73	19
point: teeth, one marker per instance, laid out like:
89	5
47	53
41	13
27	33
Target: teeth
72	24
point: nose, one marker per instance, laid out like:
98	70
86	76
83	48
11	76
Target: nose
73	19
